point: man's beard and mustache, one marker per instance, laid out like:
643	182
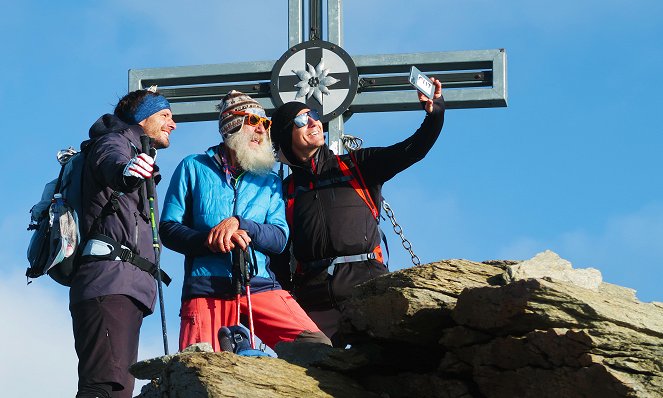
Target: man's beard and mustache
259	160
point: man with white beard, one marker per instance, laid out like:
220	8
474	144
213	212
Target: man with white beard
228	197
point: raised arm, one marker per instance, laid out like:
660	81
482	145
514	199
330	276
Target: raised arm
379	164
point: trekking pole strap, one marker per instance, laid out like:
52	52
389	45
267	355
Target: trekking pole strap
101	247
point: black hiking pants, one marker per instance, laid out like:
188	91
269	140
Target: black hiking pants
106	331
323	296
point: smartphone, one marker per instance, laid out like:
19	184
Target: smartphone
422	83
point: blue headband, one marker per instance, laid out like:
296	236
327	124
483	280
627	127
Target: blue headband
150	105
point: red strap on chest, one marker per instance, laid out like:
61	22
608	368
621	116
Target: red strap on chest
290	201
361	190
358	186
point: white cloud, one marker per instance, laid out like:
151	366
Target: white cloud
38	358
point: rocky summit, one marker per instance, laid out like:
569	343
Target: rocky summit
453	328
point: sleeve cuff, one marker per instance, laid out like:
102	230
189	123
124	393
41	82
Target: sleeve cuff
249	226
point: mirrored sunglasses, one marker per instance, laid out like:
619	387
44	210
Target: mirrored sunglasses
254	120
302	120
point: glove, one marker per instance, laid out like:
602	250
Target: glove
139	166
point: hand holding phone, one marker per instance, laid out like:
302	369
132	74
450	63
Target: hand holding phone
422	83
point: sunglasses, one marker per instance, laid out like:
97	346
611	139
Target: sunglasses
302	120
254	120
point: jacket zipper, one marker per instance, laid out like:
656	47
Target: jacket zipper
136	232
238	181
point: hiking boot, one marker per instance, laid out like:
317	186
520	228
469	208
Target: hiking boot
234	339
225	339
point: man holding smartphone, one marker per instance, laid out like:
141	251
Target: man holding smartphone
332	204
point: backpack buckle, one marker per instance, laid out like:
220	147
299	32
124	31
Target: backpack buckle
126	255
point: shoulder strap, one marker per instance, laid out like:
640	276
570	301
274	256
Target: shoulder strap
359	187
290	201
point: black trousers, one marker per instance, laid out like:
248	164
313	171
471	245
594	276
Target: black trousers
322	296
106	332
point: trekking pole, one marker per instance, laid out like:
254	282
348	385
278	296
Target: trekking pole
249	272
250	310
149	184
242	277
237	277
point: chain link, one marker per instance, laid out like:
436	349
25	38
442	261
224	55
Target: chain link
351	143
399	231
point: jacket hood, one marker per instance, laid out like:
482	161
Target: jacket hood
107	124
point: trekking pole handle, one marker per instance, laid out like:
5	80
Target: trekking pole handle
145	143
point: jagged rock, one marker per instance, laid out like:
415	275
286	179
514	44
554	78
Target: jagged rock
456	329
540	304
150	369
322	356
408	385
624	293
550	266
414	305
612	341
150	390
225	374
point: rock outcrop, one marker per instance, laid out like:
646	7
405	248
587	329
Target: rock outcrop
456	328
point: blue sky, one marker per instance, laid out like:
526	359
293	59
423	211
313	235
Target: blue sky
573	164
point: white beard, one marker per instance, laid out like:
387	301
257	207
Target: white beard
258	160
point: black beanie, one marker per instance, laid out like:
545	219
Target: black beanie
282	128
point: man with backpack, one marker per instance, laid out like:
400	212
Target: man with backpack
332	204
222	207
114	286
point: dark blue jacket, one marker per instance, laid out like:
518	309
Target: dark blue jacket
113	143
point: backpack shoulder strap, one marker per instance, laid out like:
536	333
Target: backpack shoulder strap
290	200
359	186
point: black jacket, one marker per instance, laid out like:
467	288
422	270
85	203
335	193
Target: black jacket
329	217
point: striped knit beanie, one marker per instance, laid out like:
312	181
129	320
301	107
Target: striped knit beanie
236	101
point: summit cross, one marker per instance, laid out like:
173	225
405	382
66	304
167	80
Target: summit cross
321	74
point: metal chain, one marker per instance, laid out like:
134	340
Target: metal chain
351	143
399	231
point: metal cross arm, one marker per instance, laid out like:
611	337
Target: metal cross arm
194	91
472	79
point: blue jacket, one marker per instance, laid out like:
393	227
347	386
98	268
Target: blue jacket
198	198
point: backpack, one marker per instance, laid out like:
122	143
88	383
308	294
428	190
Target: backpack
56	241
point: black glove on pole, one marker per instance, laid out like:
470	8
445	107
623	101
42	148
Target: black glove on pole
149	184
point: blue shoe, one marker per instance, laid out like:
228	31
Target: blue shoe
225	339
234	339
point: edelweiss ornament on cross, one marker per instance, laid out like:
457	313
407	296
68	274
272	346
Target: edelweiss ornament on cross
314	82
321	74
328	87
